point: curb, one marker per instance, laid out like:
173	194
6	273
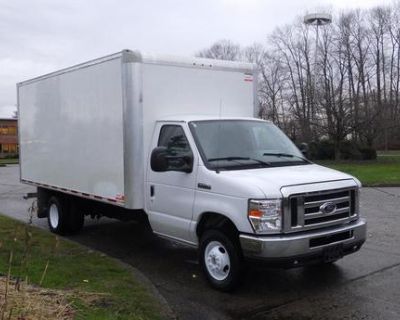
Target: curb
165	310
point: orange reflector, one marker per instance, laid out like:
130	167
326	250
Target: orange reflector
255	213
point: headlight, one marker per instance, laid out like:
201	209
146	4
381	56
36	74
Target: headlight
265	215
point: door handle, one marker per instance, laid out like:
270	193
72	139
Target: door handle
151	191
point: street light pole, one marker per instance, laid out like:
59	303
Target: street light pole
316	20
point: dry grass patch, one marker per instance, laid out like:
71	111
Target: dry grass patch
20	301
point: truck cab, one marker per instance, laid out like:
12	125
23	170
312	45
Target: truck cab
239	189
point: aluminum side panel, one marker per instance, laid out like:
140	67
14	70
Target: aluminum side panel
71	130
170	90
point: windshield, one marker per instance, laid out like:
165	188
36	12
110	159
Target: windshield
244	144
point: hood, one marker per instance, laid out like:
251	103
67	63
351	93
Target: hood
269	181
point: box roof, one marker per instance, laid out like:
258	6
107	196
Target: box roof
128	56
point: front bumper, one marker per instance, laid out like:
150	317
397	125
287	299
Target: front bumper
293	248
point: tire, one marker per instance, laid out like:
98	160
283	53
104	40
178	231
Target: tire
76	219
221	260
57	215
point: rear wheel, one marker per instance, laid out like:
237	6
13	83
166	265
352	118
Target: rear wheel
220	259
57	216
76	218
64	216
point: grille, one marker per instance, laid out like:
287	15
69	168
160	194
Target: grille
318	209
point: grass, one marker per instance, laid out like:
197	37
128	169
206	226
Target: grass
385	171
389	153
53	263
9	161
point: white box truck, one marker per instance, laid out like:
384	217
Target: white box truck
176	141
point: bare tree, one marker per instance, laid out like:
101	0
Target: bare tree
222	50
291	45
351	92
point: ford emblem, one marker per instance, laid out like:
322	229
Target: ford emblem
327	207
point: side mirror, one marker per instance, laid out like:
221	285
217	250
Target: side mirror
161	161
304	148
158	159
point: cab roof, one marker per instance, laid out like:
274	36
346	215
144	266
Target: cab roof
189	118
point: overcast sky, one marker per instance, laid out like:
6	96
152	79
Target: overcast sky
40	36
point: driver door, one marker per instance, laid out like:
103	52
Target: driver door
170	194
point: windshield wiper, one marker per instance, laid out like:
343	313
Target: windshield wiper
239	158
286	155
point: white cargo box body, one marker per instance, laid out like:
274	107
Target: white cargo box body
86	130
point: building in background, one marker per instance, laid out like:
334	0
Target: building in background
8	138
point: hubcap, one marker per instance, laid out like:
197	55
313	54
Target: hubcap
217	260
54	216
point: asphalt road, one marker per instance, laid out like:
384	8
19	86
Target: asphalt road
365	285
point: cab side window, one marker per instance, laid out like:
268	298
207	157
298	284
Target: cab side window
173	138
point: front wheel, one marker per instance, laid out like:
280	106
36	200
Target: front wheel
221	260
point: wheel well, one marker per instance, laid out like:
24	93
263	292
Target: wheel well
212	220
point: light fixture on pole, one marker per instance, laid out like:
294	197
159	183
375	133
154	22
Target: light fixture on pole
318	19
